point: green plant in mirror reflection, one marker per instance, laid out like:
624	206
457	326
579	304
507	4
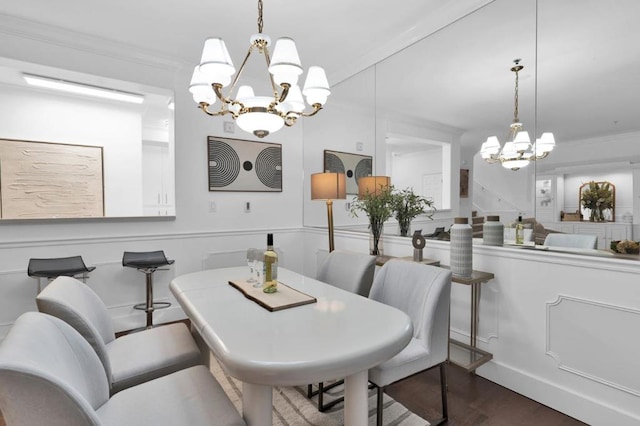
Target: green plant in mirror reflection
407	205
378	206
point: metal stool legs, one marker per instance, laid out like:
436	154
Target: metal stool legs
150	306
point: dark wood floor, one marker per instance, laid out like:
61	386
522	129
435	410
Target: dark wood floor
473	400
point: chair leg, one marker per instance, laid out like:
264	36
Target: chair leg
320	397
379	406
443	394
309	391
443	389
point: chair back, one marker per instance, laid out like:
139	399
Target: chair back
78	305
49	375
423	292
571	240
348	270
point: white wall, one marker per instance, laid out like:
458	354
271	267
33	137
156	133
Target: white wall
193	233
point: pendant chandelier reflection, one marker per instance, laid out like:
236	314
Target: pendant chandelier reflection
518	151
260	115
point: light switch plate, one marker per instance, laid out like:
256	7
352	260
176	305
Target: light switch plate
229	127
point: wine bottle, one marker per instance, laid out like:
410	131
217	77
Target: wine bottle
270	268
519	231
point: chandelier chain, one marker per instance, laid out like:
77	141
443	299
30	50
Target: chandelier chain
515	100
260	22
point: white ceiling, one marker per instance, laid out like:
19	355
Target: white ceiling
586	52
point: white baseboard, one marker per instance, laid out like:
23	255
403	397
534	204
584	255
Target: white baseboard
581	407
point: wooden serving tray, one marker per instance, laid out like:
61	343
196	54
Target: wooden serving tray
286	297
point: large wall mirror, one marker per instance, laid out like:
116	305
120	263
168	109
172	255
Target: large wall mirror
435	103
588	96
456	87
76	154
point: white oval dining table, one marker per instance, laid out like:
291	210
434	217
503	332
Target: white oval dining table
341	335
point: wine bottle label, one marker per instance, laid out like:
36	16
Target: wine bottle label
270	284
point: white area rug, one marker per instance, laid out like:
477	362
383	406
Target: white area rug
292	408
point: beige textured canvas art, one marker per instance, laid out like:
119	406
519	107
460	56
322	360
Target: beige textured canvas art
50	180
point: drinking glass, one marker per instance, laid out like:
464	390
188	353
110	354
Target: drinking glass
252	259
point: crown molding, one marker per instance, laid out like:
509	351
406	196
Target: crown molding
48	34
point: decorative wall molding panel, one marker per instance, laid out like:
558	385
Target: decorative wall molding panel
595	340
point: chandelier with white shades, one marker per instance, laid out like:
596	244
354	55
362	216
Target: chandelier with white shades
518	151
260	115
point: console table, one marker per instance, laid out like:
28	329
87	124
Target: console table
463	355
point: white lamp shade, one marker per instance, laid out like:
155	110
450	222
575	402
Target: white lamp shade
490	148
509	150
316	86
546	143
285	64
215	63
372	185
200	89
328	186
244	94
522	141
294	101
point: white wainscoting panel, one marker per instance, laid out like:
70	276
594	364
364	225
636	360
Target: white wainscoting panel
595	340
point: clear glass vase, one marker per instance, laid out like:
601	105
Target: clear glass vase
404	225
375	241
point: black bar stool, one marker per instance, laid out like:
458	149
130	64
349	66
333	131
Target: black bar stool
51	268
147	262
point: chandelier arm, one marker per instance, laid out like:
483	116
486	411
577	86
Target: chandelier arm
267	59
515	101
316	109
239	73
205	108
217	89
285	91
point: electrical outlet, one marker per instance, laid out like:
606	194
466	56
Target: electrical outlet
229	127
212	207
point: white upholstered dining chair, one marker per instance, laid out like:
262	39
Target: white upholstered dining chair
128	360
423	292
571	240
50	375
350	271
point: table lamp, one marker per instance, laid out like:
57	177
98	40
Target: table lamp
329	187
372	184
